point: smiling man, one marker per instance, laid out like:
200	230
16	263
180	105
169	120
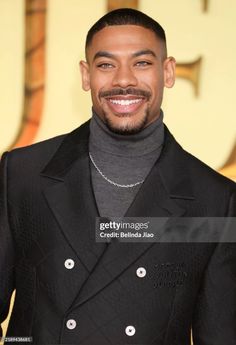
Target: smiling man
71	289
127	75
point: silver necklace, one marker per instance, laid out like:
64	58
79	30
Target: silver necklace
110	181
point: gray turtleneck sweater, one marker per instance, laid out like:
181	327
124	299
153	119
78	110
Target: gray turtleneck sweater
123	159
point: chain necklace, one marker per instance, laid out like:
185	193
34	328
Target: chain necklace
110	181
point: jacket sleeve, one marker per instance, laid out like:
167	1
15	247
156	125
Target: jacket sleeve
6	247
214	322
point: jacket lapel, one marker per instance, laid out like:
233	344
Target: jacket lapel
68	190
166	183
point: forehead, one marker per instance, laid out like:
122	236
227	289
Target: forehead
123	38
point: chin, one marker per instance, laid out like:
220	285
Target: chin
126	124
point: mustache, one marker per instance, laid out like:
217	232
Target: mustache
125	92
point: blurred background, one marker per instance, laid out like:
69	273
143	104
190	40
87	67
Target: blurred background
42	42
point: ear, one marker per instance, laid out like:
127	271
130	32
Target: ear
84	70
169	72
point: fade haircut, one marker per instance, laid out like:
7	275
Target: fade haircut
127	16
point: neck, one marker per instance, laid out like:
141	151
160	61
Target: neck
144	142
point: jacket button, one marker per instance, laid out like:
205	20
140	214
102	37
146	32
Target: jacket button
69	264
71	324
130	331
141	272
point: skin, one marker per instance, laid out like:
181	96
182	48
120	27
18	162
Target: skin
126	72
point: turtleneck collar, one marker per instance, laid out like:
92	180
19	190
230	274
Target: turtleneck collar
149	139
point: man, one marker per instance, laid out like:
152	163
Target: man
71	289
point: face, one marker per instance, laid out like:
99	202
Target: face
126	72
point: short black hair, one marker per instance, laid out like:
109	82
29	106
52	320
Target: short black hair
126	16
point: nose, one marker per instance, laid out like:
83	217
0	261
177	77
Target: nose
124	77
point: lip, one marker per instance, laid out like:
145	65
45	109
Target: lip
125	104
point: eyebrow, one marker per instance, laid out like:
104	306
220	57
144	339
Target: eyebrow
112	56
103	54
144	52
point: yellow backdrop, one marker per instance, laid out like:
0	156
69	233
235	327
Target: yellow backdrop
205	125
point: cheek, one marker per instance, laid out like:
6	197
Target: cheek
94	90
100	81
152	81
94	96
157	87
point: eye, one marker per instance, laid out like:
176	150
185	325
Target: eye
143	63
105	65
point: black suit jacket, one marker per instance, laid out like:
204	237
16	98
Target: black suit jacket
48	215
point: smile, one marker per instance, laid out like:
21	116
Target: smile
121	105
125	102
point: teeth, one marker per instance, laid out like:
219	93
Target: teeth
125	101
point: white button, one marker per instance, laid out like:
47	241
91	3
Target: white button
130	330
141	272
69	264
71	324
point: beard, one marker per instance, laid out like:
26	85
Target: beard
128	127
125	123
